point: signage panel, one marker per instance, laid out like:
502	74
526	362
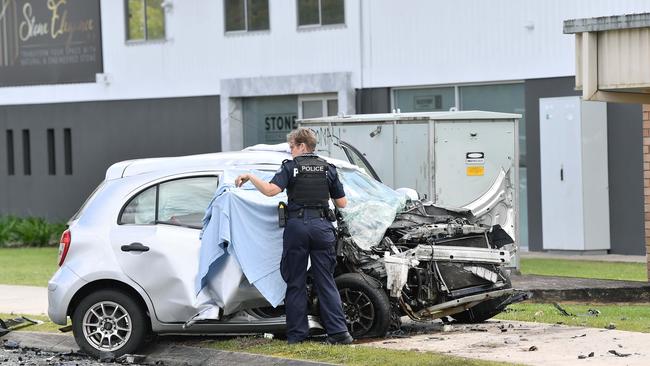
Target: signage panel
49	41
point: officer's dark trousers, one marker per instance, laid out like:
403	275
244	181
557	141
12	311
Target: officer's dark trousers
310	237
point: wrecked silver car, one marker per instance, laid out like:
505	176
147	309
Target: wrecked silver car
138	258
428	262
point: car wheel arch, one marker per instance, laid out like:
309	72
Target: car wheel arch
108	284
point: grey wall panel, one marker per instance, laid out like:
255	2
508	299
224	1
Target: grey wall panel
373	100
102	134
625	155
535	89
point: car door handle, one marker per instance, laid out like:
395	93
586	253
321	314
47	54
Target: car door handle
135	247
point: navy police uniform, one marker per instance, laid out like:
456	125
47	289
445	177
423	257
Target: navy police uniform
310	182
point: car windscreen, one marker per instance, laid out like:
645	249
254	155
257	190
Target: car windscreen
371	208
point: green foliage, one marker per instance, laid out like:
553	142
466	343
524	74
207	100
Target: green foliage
584	269
7	225
30	231
630	317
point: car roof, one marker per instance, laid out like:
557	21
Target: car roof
254	157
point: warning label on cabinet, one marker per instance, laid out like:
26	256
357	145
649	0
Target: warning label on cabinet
475	162
476	170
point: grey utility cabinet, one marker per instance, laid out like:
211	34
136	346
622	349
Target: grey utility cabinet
458	159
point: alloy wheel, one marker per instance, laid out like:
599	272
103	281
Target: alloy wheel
107	326
358	309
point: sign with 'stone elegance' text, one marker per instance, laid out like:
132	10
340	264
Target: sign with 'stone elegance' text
49	41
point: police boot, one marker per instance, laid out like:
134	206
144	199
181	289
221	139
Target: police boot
339	338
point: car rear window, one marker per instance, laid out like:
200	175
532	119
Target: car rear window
88	200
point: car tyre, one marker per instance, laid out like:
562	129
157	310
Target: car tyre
365	305
109	321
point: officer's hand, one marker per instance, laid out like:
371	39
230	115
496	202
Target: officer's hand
240	180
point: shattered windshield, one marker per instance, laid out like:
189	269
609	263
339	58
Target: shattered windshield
371	208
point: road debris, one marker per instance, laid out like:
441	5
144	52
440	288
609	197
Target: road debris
579	336
618	354
610	326
477	329
593	312
561	310
582	357
9	344
35	356
131	358
9	325
106	356
532	348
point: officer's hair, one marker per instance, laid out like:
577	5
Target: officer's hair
303	135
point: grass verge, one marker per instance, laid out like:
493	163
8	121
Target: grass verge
47	325
27	266
346	355
635	318
584	269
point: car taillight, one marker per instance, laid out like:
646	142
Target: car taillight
64	246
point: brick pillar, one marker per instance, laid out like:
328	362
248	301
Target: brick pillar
646	181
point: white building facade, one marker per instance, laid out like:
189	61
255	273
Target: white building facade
181	77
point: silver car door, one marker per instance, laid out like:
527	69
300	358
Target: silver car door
157	242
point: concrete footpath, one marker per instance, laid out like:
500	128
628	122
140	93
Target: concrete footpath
528	343
23	300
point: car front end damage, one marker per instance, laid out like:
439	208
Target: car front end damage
434	262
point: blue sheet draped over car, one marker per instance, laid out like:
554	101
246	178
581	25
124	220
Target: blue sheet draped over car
243	223
241	243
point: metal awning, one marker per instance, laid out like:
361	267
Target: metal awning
612	57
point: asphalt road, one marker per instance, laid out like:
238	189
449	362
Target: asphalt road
26	356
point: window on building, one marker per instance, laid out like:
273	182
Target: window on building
67	150
27	153
314	106
51	152
246	15
11	165
321	12
145	20
425	99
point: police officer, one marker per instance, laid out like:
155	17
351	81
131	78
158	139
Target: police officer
310	183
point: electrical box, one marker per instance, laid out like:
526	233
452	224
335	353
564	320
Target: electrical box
465	159
575	195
